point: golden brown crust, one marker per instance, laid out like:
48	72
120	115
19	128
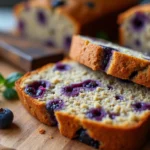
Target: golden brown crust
131	11
122	66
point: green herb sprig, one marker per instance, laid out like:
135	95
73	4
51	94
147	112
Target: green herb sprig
7	85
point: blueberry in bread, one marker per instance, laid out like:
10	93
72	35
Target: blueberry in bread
134	29
97	109
113	59
53	22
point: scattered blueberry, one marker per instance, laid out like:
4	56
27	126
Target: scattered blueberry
83	137
53	105
119	97
71	90
96	114
90	84
67	42
141	106
62	67
6	118
57	3
41	17
112	115
37	88
90	4
138	21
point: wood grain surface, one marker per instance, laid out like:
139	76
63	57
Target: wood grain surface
24	132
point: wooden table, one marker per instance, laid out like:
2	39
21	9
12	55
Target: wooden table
24	133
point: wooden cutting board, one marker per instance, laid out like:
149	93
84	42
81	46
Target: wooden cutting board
24	133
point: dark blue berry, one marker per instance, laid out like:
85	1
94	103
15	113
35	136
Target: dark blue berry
96	114
71	90
62	67
21	26
90	84
119	97
110	87
50	43
90	4
138	21
37	88
67	42
141	106
112	115
137	42
53	105
41	17
57	3
83	137
6	118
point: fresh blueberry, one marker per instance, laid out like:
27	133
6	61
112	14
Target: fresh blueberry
37	88
71	90
138	21
90	84
67	42
83	137
90	4
6	118
57	3
119	97
41	17
96	114
141	106
62	67
53	105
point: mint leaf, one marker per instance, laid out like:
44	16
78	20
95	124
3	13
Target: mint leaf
2	79
10	93
12	78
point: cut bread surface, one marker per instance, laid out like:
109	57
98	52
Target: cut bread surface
113	59
79	96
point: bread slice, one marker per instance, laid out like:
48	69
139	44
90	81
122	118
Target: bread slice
97	109
117	61
134	31
53	22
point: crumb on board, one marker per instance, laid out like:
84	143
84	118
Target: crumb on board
42	131
51	137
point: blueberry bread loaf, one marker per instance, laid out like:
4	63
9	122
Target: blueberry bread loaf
134	29
53	22
117	61
97	109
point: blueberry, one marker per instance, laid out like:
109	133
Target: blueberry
138	21
141	106
71	90
21	26
90	4
83	137
6	118
137	42
90	84
53	105
112	115
119	97
41	17
109	87
62	67
96	114
57	3
37	88
107	54
50	43
67	42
